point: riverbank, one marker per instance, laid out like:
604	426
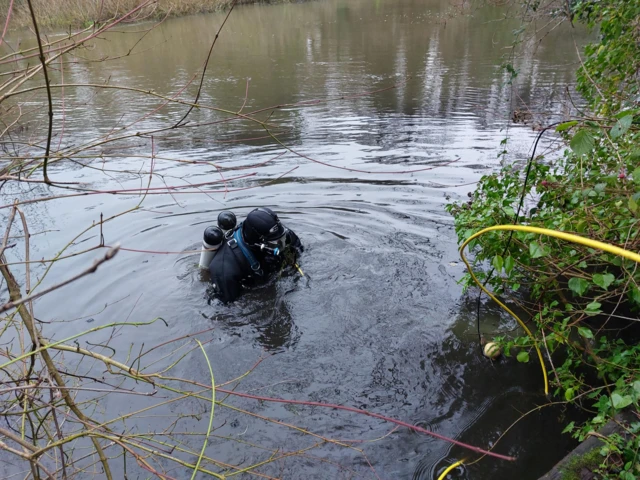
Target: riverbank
584	461
57	14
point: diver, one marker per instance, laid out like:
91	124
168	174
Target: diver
240	256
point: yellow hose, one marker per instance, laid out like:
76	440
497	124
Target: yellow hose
551	233
449	468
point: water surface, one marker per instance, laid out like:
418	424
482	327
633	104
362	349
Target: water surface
380	322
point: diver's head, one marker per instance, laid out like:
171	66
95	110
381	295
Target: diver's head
262	230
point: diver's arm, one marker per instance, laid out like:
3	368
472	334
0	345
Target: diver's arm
294	241
226	276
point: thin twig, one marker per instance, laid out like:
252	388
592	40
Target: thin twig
6	233
206	63
47	83
107	256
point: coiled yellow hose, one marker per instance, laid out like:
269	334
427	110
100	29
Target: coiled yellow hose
551	233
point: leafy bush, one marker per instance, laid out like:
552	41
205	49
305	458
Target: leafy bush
576	294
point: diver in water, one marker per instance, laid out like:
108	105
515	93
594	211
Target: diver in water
247	254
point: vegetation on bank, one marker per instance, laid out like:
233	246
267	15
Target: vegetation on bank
584	302
81	13
589	461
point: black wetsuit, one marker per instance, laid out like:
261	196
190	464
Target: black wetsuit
230	269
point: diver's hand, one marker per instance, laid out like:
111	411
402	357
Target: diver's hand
294	241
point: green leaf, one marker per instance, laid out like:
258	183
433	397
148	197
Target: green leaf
621	126
636	386
603	280
593	308
566	125
620	401
635	175
585	332
509	211
523	357
569	393
582	142
634	294
536	250
569	427
578	285
515	287
497	263
633	206
509	263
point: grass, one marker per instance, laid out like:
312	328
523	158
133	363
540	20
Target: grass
59	14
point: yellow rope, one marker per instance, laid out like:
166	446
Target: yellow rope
449	468
551	233
299	269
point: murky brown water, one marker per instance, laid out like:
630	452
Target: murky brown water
382	324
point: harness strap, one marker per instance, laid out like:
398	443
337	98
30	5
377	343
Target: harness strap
239	242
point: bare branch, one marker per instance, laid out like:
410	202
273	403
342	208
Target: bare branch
206	63
107	256
47	83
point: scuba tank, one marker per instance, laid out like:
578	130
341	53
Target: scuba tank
227	222
214	236
211	242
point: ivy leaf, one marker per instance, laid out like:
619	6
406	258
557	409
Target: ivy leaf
566	126
497	263
634	293
603	280
536	250
621	126
619	401
569	428
585	332
578	285
509	263
582	142
523	357
593	308
568	395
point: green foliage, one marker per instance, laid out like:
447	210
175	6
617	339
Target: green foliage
592	190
